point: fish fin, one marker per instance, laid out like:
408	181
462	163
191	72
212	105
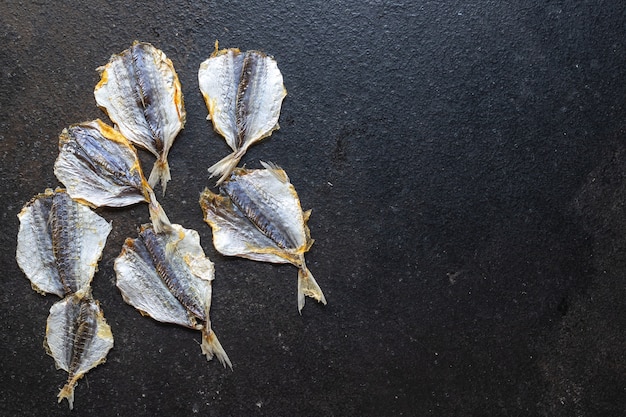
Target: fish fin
307	286
217	47
84	292
67	392
40	291
275	170
212	347
226	165
269	165
160	172
159	219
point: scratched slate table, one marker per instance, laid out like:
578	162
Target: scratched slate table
466	167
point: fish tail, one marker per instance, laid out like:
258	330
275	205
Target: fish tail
212	347
226	165
159	219
160	172
307	286
67	392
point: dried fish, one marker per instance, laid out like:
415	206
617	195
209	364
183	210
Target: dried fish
58	247
140	91
168	277
243	93
59	243
99	166
78	338
258	216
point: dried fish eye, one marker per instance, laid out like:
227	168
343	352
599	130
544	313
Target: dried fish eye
168	277
140	91
257	215
243	93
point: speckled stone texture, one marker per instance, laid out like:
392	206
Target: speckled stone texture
466	167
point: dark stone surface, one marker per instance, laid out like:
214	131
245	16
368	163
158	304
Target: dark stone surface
466	166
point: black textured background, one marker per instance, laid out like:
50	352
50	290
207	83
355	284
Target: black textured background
466	166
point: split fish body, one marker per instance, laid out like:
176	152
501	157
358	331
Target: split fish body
98	165
140	91
258	216
78	338
175	275
142	287
243	93
168	277
59	243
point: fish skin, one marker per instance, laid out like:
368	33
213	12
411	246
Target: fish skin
79	236
219	78
245	99
83	329
34	253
